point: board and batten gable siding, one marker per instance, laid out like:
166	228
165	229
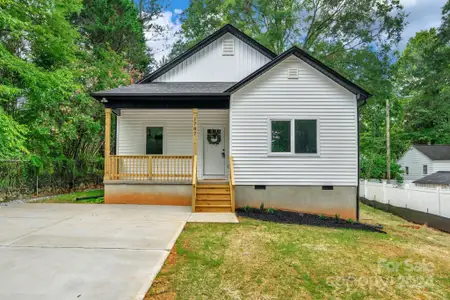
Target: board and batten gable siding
312	95
414	160
177	123
209	65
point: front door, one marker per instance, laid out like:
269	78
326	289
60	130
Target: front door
214	151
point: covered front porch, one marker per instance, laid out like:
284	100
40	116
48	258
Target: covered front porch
169	152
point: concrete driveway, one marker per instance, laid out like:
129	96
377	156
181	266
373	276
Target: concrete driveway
75	251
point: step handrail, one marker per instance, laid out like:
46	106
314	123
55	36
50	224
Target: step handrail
232	191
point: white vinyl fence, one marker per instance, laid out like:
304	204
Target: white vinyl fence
429	200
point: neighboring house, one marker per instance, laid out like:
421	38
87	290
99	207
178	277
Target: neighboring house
423	160
439	179
228	123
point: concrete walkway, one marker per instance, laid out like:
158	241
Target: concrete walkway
76	251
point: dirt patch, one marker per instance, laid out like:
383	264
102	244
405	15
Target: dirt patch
288	217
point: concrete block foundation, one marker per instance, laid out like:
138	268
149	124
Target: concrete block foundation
117	192
308	199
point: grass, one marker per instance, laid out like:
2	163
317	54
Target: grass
264	260
71	198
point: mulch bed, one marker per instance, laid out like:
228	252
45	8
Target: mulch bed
288	217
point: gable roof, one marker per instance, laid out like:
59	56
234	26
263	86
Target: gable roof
441	177
166	88
435	152
202	44
318	65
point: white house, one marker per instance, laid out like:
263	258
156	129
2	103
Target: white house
423	160
229	123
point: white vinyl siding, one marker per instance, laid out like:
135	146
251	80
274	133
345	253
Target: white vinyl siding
441	165
415	160
311	96
177	125
210	65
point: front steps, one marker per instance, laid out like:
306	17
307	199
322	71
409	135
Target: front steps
213	197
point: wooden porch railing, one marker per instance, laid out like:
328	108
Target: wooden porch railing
194	182
232	186
161	168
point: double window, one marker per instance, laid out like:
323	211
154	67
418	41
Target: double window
293	136
154	143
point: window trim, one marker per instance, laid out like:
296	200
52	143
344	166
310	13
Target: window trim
423	169
292	152
164	143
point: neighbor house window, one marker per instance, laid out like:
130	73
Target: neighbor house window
425	169
154	140
407	170
293	136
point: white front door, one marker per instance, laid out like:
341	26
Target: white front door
214	151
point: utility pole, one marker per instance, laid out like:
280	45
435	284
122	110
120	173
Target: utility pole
388	141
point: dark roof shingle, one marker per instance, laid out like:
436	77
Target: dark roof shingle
435	152
441	177
167	88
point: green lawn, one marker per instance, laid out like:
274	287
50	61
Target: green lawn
262	260
71	198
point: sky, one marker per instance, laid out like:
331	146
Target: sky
423	14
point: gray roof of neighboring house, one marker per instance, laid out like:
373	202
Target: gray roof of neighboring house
441	177
167	88
435	152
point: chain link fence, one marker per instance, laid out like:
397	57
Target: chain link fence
22	179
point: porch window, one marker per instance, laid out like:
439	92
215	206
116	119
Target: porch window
154	140
294	136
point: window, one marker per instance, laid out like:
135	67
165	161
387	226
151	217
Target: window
154	140
281	136
294	136
407	170
425	169
305	136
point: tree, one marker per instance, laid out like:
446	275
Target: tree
423	74
115	25
278	24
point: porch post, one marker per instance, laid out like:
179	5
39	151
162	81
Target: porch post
194	130
107	141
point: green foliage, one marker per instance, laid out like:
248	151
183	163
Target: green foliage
271	210
53	53
12	138
350	221
115	25
374	166
261	207
247	208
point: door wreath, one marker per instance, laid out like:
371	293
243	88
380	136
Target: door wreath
214	136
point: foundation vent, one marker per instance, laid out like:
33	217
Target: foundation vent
260	187
327	188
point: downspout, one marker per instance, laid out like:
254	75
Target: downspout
357	128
